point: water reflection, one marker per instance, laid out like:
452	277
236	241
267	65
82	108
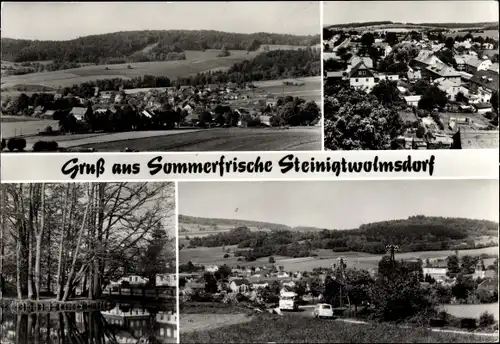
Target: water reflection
120	325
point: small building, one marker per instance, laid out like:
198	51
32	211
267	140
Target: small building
361	77
414	75
131	279
265	119
483	107
239	285
283	274
78	113
412	100
49	114
259	285
211	268
168	280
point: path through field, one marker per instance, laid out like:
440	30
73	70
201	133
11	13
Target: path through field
225	139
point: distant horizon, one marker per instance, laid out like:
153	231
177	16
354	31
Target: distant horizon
339	205
415	12
113	32
338	229
416	23
62	21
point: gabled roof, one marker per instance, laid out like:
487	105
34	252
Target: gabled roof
443	70
482	78
78	111
241	281
360	66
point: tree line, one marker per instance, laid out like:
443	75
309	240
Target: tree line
60	237
418	233
98	48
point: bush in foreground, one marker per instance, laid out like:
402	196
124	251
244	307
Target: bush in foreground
45	146
486	319
16	143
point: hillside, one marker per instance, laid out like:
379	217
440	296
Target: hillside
417	233
140	46
481	25
204	221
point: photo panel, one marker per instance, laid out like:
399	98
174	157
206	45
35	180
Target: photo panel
410	75
336	262
147	77
88	263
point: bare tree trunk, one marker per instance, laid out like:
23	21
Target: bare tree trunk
78	243
18	265
61	245
39	237
30	243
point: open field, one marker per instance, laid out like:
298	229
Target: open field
368	261
311	90
487	33
202	322
325	258
215	256
266	328
472	311
224	139
196	61
24	126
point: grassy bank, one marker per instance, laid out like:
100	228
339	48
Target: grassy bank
268	328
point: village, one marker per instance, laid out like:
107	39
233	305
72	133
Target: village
158	108
444	84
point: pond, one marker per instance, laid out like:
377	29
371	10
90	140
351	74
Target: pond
119	325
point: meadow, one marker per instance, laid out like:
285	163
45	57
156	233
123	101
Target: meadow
266	328
15	126
196	62
325	258
487	33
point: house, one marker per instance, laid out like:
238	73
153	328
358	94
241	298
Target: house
471	139
271	103
412	100
487	82
451	88
436	270
483	107
211	268
282	274
49	114
488	46
240	285
334	77
288	284
441	70
472	63
195	286
439	141
131	279
266	120
426	58
260	285
166	280
494	67
361	77
78	112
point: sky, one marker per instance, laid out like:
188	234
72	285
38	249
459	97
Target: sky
62	21
339	205
343	12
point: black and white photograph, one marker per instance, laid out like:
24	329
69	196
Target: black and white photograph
161	76
88	263
410	75
412	261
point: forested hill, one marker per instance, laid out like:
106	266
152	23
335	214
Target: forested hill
483	25
203	221
92	49
417	233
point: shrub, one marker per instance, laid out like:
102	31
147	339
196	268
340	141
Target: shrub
4	144
16	143
226	255
45	146
486	319
468	323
